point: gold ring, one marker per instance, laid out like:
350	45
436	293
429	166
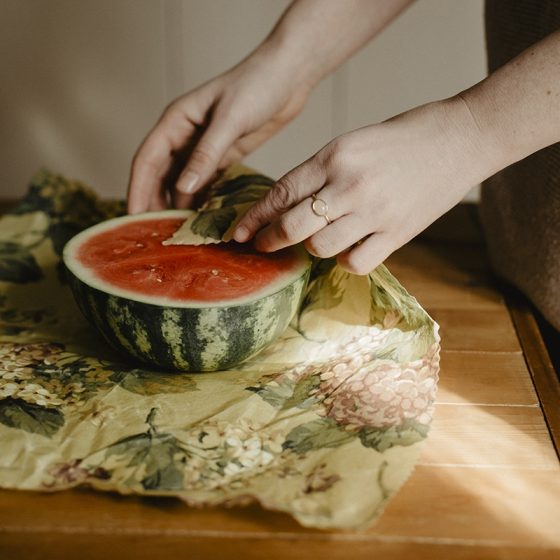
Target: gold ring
320	208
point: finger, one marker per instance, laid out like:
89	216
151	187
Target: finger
301	221
206	156
239	149
337	237
159	200
155	157
182	201
365	256
146	174
196	200
292	188
233	155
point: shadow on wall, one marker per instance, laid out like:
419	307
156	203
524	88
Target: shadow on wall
87	80
77	87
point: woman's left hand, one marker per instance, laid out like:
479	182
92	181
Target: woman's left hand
378	187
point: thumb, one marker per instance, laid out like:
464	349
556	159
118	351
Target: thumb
205	157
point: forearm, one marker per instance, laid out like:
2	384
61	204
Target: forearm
313	37
516	110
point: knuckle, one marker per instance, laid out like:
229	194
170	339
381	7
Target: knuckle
355	185
286	229
335	155
203	156
360	183
355	263
257	215
338	144
289	228
231	119
171	113
252	215
136	162
143	160
281	196
319	247
295	222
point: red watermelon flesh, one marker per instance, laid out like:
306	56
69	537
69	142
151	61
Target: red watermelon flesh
191	308
132	257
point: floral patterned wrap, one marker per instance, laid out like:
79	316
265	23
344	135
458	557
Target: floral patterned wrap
325	424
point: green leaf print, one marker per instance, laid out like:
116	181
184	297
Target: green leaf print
66	200
284	393
32	418
11	330
303	394
152	456
17	264
382	439
214	223
168	478
390	301
147	383
134	448
321	267
155	457
326	288
317	434
61	232
241	184
34	200
251	194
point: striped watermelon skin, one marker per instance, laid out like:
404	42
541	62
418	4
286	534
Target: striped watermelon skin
194	339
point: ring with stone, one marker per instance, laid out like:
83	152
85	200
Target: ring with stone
320	208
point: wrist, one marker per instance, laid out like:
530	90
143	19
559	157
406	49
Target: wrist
271	70
475	141
291	57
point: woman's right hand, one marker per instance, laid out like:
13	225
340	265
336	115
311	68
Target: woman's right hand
211	127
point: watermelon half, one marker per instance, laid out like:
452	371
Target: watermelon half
185	307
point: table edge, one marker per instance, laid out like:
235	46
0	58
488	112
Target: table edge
543	374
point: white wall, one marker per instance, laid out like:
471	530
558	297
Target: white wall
83	81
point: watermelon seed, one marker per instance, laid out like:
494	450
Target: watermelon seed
215	272
140	245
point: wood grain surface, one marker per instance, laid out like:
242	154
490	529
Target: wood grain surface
487	485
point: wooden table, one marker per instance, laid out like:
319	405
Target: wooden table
487	485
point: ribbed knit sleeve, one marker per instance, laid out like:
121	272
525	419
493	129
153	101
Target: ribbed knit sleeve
520	206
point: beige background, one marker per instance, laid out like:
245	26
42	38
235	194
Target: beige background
83	81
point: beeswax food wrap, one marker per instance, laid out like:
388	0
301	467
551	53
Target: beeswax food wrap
326	424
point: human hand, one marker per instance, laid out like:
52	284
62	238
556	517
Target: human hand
383	184
213	126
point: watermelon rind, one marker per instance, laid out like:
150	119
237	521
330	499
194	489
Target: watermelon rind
186	336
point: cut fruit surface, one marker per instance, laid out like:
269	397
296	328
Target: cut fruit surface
186	307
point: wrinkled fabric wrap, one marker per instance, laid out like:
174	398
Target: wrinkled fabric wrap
325	424
520	206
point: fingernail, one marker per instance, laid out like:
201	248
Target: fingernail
187	182
241	234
